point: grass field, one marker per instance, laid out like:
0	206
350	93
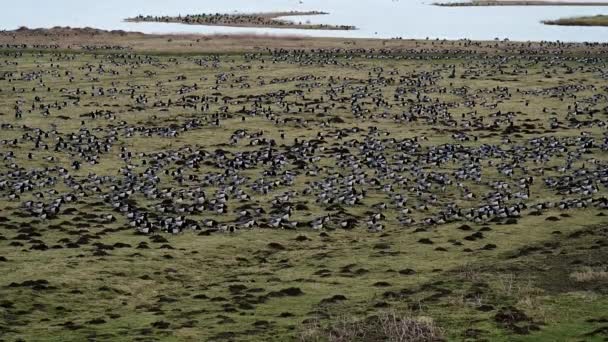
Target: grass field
96	143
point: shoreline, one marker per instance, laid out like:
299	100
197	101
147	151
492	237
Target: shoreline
253	20
87	39
595	21
491	3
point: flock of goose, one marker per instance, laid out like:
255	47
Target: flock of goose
319	139
243	19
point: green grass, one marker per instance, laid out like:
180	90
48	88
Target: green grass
131	289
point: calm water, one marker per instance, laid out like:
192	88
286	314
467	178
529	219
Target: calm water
374	18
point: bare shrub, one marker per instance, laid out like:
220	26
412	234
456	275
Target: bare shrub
311	332
588	274
387	326
398	328
469	272
457	300
506	284
346	330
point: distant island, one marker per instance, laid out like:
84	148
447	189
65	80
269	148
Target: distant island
596	20
519	3
268	20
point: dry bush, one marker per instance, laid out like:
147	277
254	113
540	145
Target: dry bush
457	300
469	272
588	274
387	326
398	328
506	284
311	332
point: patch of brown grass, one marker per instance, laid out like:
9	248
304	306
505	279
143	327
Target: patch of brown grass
589	274
387	326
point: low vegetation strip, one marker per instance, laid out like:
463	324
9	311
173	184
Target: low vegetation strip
519	3
597	20
270	20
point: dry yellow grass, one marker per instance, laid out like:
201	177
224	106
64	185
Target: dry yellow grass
588	274
88	39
